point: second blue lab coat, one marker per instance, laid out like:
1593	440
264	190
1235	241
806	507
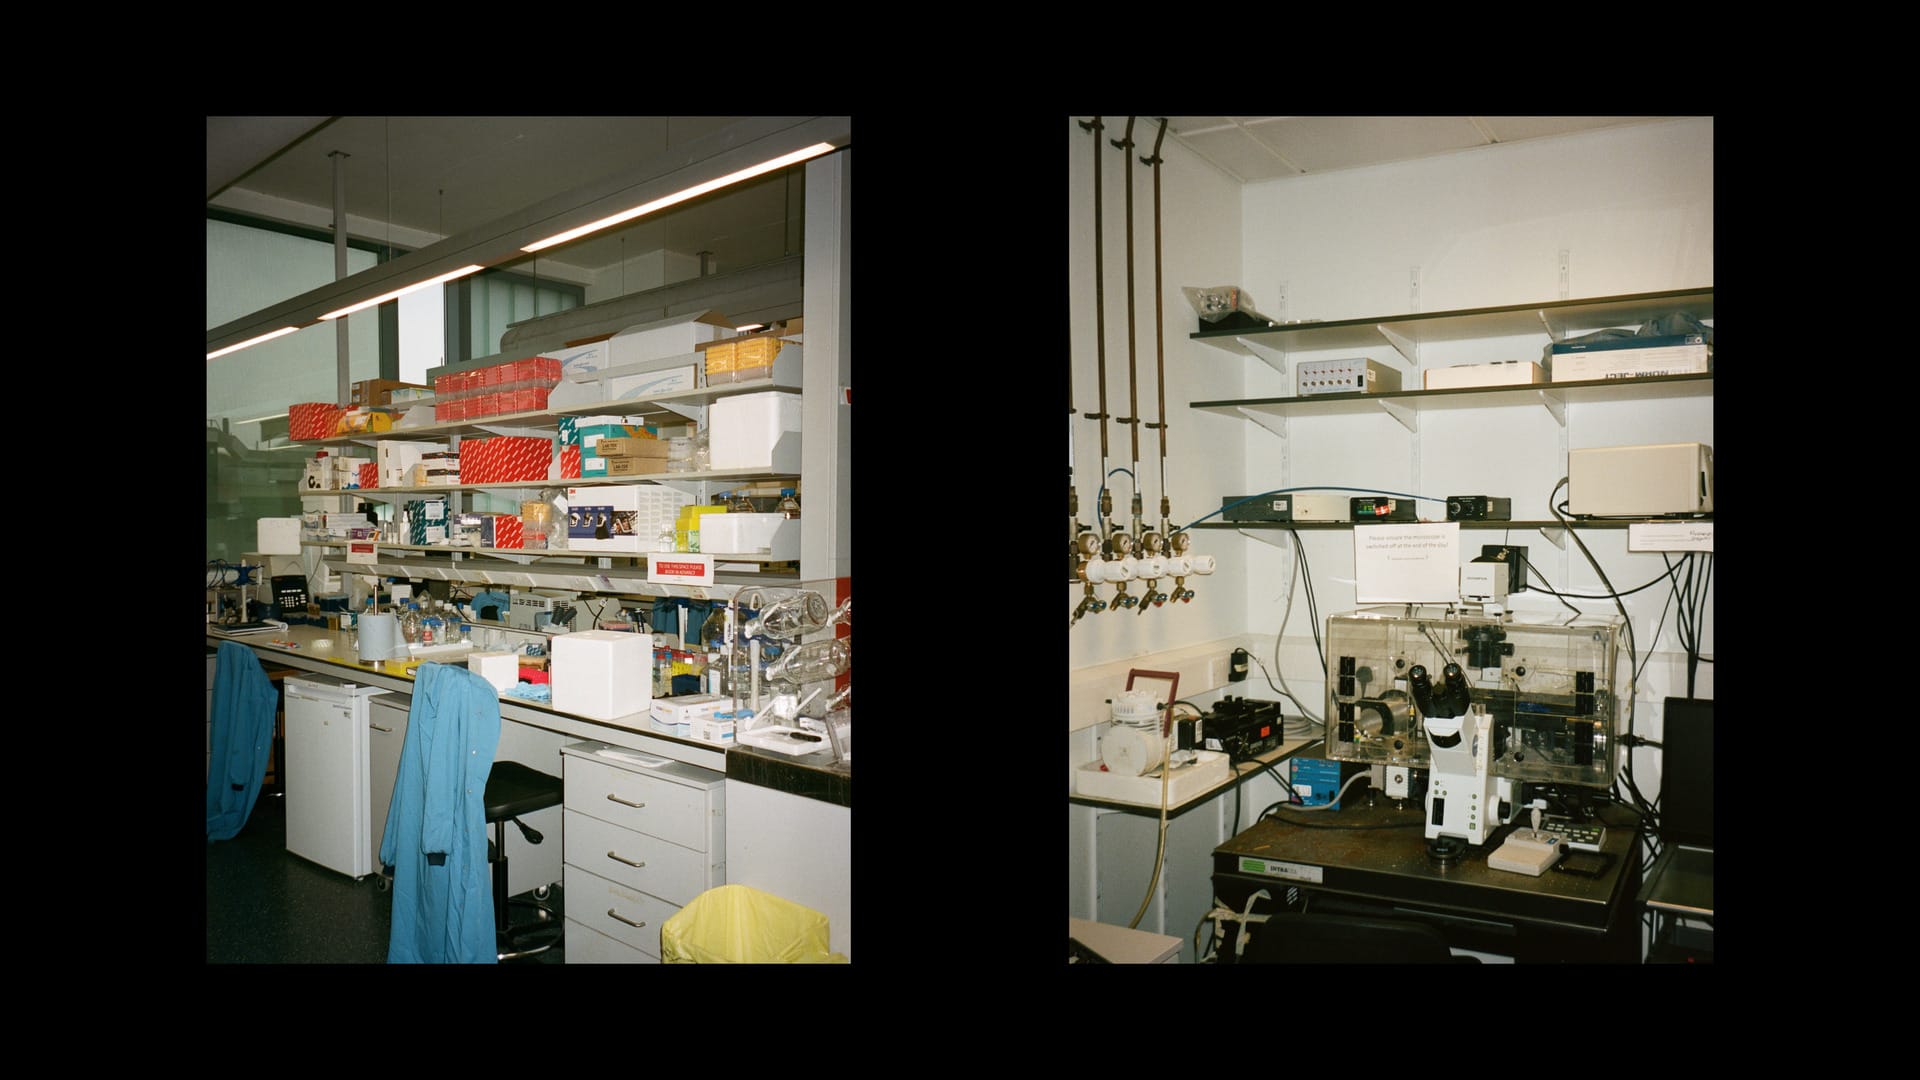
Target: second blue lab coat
436	838
243	707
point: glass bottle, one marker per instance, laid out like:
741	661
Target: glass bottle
814	661
789	503
410	623
433	628
791	617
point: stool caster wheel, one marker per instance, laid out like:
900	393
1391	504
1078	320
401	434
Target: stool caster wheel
541	892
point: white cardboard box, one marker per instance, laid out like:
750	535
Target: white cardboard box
635	514
602	674
744	429
1518	373
677	336
1632	363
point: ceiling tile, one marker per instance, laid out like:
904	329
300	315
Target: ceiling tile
1239	155
1189	125
1513	128
1325	143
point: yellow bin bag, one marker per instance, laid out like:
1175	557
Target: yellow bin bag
734	924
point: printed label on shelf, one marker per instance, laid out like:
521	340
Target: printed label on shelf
680	569
1670	536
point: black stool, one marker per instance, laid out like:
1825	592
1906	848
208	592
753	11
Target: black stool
514	789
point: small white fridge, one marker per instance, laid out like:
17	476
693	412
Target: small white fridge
328	809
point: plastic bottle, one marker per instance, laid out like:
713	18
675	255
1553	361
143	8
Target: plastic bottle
789	503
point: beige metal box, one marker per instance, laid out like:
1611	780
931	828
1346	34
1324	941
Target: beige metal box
1640	481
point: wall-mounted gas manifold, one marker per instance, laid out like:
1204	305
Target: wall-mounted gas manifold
1111	553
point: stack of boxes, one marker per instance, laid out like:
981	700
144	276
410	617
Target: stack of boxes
512	387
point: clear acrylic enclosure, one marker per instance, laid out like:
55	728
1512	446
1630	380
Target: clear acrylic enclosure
1551	687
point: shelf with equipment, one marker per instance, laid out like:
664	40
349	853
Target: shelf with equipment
1405	332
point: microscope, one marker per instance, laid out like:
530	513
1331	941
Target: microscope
1477	702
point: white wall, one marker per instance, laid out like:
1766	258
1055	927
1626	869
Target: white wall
1632	207
1110	866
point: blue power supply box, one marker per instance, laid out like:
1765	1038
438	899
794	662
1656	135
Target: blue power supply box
1317	780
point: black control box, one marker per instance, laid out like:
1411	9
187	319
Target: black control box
1479	508
1242	727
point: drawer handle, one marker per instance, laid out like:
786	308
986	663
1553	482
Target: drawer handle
377	727
623	802
629	862
624	919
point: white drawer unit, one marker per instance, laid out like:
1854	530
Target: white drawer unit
642	837
628	916
589	946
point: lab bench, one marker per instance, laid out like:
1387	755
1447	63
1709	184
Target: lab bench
1372	860
787	821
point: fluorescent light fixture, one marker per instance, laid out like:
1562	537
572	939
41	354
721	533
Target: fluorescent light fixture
750	328
252	341
695	191
416	287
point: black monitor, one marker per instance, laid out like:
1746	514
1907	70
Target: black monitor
1686	775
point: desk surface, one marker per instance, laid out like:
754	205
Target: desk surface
815	776
1378	853
1242	771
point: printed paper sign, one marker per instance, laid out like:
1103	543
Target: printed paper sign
363	551
1407	564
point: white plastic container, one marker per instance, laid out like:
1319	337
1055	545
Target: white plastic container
744	430
602	674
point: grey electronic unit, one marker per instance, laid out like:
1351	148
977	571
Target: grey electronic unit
1355	376
1285	508
1660	480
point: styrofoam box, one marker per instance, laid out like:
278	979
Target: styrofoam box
774	535
500	669
743	430
1209	769
602	674
677	336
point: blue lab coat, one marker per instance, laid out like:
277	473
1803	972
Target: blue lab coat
243	708
436	838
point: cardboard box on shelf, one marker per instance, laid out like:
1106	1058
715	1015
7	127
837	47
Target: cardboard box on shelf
627	465
380	391
631	447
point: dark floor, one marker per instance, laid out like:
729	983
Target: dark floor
265	906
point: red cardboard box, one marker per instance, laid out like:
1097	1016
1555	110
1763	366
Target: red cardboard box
570	463
313	420
507	532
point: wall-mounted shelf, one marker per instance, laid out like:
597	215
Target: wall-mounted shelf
1556	318
674	407
1402	404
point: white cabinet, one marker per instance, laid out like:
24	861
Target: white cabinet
386	736
640	842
